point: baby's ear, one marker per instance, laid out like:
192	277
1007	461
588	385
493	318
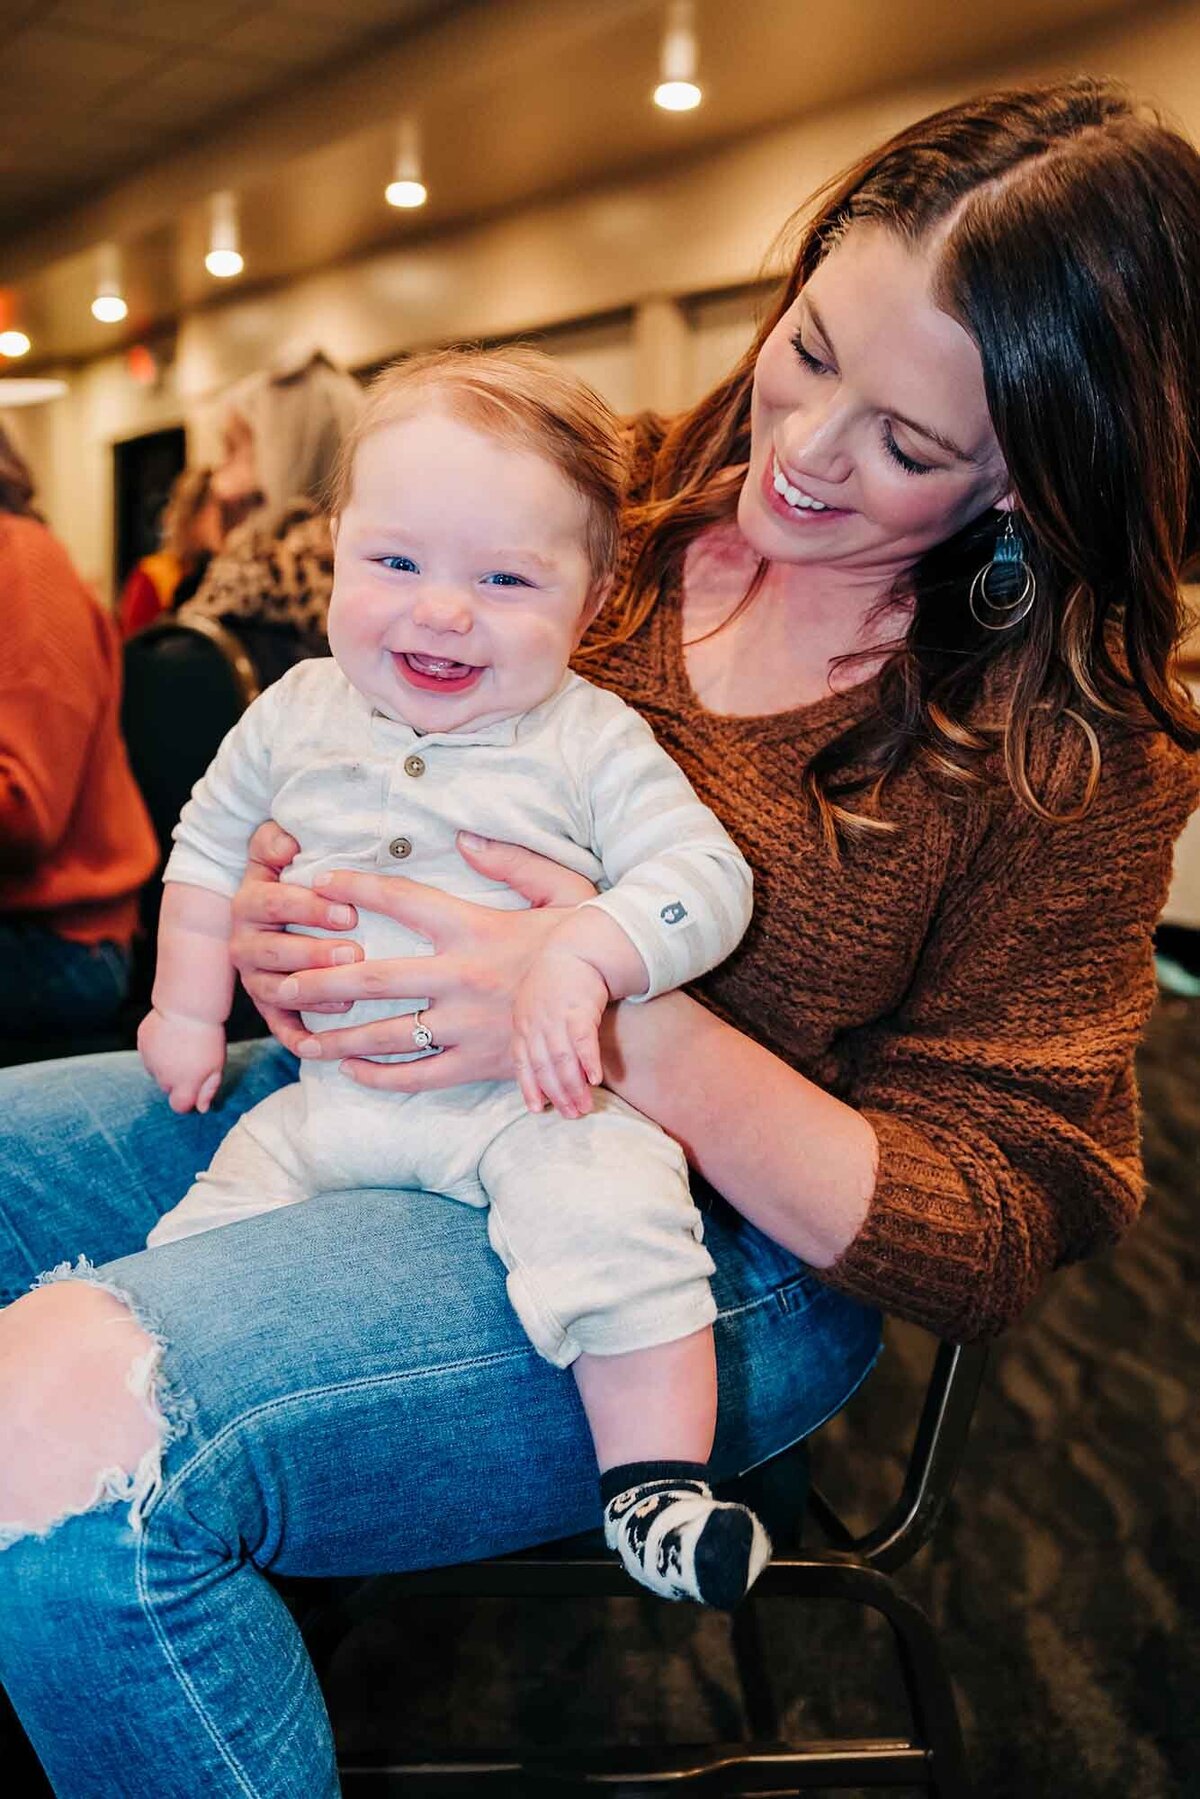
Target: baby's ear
597	595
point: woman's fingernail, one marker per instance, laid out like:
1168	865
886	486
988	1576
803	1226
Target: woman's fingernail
343	953
289	988
473	840
341	915
308	1046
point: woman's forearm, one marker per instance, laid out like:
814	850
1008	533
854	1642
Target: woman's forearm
795	1161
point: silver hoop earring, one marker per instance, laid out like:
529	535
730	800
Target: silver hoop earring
993	586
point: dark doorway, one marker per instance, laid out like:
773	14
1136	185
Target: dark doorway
143	470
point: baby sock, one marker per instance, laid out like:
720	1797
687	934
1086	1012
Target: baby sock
675	1538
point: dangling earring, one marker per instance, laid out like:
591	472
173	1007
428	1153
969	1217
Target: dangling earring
994	585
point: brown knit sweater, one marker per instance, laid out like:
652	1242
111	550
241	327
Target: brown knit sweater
975	985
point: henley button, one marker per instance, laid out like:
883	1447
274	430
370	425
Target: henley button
414	766
400	847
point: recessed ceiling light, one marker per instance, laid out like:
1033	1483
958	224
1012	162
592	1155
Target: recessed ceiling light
677	90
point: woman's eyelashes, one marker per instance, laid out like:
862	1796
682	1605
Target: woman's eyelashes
812	363
908	463
892	449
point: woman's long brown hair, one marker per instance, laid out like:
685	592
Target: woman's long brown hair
1065	227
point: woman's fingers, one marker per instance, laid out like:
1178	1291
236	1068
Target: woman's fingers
381	1037
536	878
285	1027
285	952
423	909
426	1075
397	977
267	903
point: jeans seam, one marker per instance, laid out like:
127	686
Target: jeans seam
182	1677
200	1456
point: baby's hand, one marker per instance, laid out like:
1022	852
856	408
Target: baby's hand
185	1056
556	1032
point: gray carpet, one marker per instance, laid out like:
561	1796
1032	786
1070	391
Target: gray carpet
1064	1581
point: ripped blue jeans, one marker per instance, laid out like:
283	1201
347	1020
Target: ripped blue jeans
339	1388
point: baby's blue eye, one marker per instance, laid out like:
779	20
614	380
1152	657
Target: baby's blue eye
500	579
402	564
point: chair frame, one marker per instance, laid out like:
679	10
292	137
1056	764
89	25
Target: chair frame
850	1567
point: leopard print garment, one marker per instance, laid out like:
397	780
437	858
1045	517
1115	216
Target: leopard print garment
275	569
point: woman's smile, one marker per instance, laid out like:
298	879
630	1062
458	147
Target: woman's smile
796	503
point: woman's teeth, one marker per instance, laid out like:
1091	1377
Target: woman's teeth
794	497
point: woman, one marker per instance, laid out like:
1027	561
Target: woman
192	530
271	583
955	757
75	841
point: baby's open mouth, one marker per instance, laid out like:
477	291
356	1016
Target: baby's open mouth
436	673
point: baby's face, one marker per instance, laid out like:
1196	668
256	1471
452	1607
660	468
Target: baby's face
460	578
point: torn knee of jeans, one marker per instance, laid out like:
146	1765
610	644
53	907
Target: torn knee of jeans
115	1483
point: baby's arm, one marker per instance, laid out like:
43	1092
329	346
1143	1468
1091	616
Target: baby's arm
678	903
182	1037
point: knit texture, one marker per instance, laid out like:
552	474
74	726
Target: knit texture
975	985
75	840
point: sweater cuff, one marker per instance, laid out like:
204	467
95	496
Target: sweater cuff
922	1217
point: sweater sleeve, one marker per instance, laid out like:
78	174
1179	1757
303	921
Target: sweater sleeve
54	684
1002	1092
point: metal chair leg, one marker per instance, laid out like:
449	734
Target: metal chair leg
754	1675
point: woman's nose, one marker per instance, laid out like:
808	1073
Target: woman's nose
442	609
817	443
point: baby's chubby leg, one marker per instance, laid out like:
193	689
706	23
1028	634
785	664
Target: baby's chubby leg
652	1404
256	1168
607	1270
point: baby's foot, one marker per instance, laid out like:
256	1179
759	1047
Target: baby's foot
674	1538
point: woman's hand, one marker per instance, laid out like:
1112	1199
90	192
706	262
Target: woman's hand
263	951
480	956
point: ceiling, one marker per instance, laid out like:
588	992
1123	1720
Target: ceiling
134	111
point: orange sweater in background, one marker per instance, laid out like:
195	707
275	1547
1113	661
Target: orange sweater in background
76	843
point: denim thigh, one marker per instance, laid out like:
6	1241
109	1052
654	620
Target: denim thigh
91	1154
349	1392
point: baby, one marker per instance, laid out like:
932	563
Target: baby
476	526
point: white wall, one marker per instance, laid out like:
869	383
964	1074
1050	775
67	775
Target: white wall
634	256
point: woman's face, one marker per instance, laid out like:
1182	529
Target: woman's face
870	434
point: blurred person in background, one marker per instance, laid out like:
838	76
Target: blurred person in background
192	531
271	582
75	841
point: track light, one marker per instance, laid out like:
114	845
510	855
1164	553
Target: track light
14	343
109	304
406	189
224	259
677	90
